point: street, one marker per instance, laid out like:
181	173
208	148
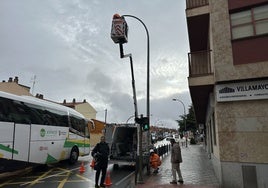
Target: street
196	168
68	176
63	174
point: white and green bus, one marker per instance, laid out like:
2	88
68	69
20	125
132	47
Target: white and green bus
38	131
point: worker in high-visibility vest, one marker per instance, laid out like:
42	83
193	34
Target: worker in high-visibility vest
155	161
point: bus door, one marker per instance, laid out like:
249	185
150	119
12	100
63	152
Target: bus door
88	129
86	148
6	139
21	142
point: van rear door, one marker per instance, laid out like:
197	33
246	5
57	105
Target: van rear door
108	133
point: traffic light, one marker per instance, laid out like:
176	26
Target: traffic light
144	123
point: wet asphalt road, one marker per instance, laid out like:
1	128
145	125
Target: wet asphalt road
63	175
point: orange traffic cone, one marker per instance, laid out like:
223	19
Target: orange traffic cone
82	168
108	179
92	164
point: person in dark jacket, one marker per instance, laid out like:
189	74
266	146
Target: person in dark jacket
176	159
100	153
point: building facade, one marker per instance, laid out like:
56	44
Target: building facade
13	86
228	82
83	107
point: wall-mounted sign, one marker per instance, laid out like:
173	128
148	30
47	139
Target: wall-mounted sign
242	91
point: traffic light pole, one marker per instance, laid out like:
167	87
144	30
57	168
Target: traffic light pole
140	178
186	135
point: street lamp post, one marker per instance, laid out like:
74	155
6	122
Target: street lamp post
148	72
148	63
130	118
105	116
184	118
119	35
148	94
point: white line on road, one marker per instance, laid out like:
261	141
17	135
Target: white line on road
122	180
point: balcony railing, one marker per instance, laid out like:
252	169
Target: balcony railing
199	63
195	3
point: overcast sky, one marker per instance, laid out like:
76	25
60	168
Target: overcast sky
67	46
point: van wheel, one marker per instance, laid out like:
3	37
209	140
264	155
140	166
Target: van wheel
116	166
74	155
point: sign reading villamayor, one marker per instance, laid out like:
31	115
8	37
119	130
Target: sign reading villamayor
242	91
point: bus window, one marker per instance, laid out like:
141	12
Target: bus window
78	125
87	134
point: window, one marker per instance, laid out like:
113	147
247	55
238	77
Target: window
78	125
249	23
27	113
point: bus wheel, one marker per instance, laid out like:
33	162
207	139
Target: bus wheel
74	155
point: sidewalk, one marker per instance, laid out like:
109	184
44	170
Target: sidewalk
196	169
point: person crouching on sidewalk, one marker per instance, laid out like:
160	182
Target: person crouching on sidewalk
155	161
176	159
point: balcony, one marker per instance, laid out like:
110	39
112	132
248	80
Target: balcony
199	63
195	3
201	77
201	81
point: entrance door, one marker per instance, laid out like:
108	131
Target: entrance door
21	142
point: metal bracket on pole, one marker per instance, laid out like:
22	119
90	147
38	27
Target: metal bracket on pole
122	55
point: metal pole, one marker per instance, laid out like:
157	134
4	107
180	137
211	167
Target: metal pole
139	131
148	66
148	85
140	177
132	76
148	100
105	116
184	118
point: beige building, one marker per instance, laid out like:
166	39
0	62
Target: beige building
82	107
90	113
97	132
13	86
228	82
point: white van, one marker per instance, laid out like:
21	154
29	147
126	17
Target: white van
123	143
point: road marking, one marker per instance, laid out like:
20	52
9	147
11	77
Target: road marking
122	180
44	176
39	178
64	180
